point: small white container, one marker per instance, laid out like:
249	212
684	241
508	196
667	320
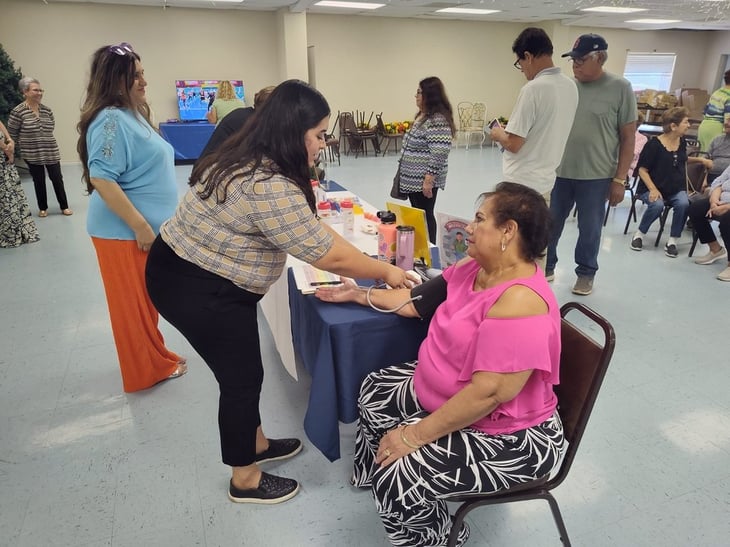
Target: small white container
348	218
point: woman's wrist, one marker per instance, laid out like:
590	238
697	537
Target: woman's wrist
410	443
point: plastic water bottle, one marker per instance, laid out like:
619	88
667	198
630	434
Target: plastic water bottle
348	218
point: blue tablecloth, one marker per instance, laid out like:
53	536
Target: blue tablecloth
339	344
187	138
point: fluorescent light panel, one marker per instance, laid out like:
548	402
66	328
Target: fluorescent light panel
468	11
350	5
613	9
654	21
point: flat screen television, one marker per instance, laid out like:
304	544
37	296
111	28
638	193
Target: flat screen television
194	97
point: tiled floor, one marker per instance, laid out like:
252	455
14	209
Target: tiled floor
82	464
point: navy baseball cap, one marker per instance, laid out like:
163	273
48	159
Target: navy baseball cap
585	44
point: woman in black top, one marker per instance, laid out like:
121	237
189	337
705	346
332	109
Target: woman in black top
663	172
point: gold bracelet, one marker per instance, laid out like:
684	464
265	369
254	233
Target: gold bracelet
617	180
406	442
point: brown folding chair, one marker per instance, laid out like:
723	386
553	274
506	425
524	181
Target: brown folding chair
696	188
356	138
583	365
333	143
386	137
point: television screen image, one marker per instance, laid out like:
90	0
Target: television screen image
195	97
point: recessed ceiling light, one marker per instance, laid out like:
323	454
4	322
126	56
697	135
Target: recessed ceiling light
654	21
613	9
468	11
350	5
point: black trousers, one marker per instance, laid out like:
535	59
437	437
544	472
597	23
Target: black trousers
697	213
219	320
420	201
38	173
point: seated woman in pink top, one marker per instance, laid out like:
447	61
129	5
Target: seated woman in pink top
476	412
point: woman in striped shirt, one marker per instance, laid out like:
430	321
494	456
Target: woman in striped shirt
31	126
425	158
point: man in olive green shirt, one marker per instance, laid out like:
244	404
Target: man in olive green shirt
596	158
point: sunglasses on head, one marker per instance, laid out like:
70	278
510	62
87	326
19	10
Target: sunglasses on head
122	49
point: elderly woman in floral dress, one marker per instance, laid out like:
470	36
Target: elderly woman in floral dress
16	224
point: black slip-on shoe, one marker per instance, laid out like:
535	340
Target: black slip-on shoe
280	449
272	489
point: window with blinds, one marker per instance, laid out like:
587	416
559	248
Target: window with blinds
650	70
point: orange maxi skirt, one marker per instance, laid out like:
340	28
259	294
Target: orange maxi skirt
143	358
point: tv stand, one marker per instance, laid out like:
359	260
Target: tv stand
187	138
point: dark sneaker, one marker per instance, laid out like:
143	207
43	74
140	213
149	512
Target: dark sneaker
272	489
550	275
583	286
671	250
636	244
280	449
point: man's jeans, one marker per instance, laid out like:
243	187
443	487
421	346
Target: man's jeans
589	196
680	205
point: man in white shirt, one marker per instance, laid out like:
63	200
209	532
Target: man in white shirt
535	137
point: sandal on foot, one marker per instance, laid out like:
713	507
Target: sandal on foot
271	489
279	449
43	214
181	369
67	212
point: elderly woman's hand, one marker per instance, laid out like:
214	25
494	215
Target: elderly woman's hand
9	150
393	446
718	210
347	292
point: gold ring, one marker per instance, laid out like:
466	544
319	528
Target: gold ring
387	453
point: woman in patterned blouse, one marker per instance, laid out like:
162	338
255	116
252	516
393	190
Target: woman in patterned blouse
31	125
249	206
425	158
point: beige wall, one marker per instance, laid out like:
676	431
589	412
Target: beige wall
375	63
54	43
362	63
713	71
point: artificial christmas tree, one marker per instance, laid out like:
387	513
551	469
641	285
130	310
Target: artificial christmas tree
10	96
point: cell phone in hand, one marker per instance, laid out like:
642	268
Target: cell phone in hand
495	123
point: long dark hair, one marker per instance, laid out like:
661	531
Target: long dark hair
271	142
434	99
111	78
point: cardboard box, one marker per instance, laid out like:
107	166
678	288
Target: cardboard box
695	100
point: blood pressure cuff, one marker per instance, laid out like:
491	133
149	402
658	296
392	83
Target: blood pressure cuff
431	294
